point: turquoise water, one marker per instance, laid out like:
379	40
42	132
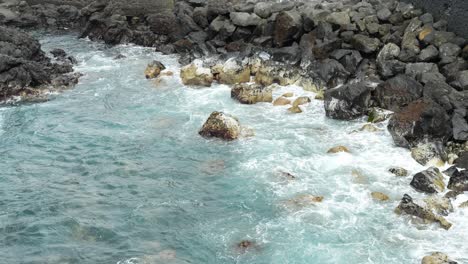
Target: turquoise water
114	171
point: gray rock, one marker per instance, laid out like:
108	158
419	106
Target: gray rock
414	70
462	80
339	18
365	44
384	14
397	92
429	181
288	25
459	181
348	101
430	53
427	18
245	19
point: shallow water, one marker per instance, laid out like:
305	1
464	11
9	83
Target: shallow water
114	171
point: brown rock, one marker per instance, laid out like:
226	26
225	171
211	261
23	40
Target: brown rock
338	149
281	101
379	196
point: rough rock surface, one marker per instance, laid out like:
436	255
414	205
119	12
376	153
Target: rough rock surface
252	93
221	125
347	102
429	181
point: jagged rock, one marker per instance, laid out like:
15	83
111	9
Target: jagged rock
448	52
461	80
348	101
415	70
429	154
377	115
279	74
459	181
154	69
437	258
409	44
252	93
232	72
420	120
330	71
407	206
386	60
397	92
380	196
398	171
430	53
301	101
369	128
194	74
339	18
287	27
429	181
244	19
365	44
338	149
384	14
281	101
221	125
439	205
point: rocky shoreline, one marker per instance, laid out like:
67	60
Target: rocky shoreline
361	57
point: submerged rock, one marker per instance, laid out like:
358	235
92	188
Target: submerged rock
369	128
380	196
154	69
193	74
398	171
303	200
437	258
338	149
252	93
221	125
407	206
429	181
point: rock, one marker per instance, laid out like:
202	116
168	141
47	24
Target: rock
452	194
437	258
330	71
448	52
430	53
386	60
407	206
263	9
384	14
365	44
194	74
281	101
301	101
369	128
420	120
348	101
397	92
339	18
245	19
223	27
464	205
154	69
221	125
251	93
377	115
462	161
233	72
289	94
388	52
281	74
295	110
462	80
287	27
439	205
429	154
359	177
415	70
409	44
320	95
246	245
378	196
459	181
398	171
429	181
338	149
304	200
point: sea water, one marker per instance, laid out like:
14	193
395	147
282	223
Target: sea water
114	171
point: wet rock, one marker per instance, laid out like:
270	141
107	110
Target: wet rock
281	101
348	101
398	171
304	200
429	181
245	19
459	181
369	128
301	101
359	177
330	71
251	93
287	175
420	120
194	74
397	92
378	196
279	74
462	161
154	69
452	194
221	125
464	205
365	44
287	27
246	245
232	72
432	154
338	149
407	206
377	115
289	94
439	205
437	258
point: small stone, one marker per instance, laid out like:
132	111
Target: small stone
398	171
193	74
281	101
320	95
295	110
222	126
380	196
338	149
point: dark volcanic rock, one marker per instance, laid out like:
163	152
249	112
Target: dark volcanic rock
365	44
397	92
459	181
462	161
348	101
420	120
288	26
429	181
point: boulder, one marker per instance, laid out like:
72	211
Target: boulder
431	153
462	161
410	45
232	72
386	60
268	74
408	207
288	25
244	19
415	70
429	181
251	93
459	181
301	101
437	258
339	18
221	125
377	115
439	205
428	54
281	101
397	92
420	120
365	44
398	171
194	74
330	71
154	69
348	101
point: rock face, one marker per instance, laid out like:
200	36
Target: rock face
221	125
421	119
429	181
407	206
24	67
251	93
348	101
193	74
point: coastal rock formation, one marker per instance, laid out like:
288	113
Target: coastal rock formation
458	181
429	154
437	258
252	93
194	74
232	72
348	101
429	181
221	125
154	69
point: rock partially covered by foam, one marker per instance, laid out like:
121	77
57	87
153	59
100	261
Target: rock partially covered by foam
221	125
154	69
252	93
437	258
194	74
